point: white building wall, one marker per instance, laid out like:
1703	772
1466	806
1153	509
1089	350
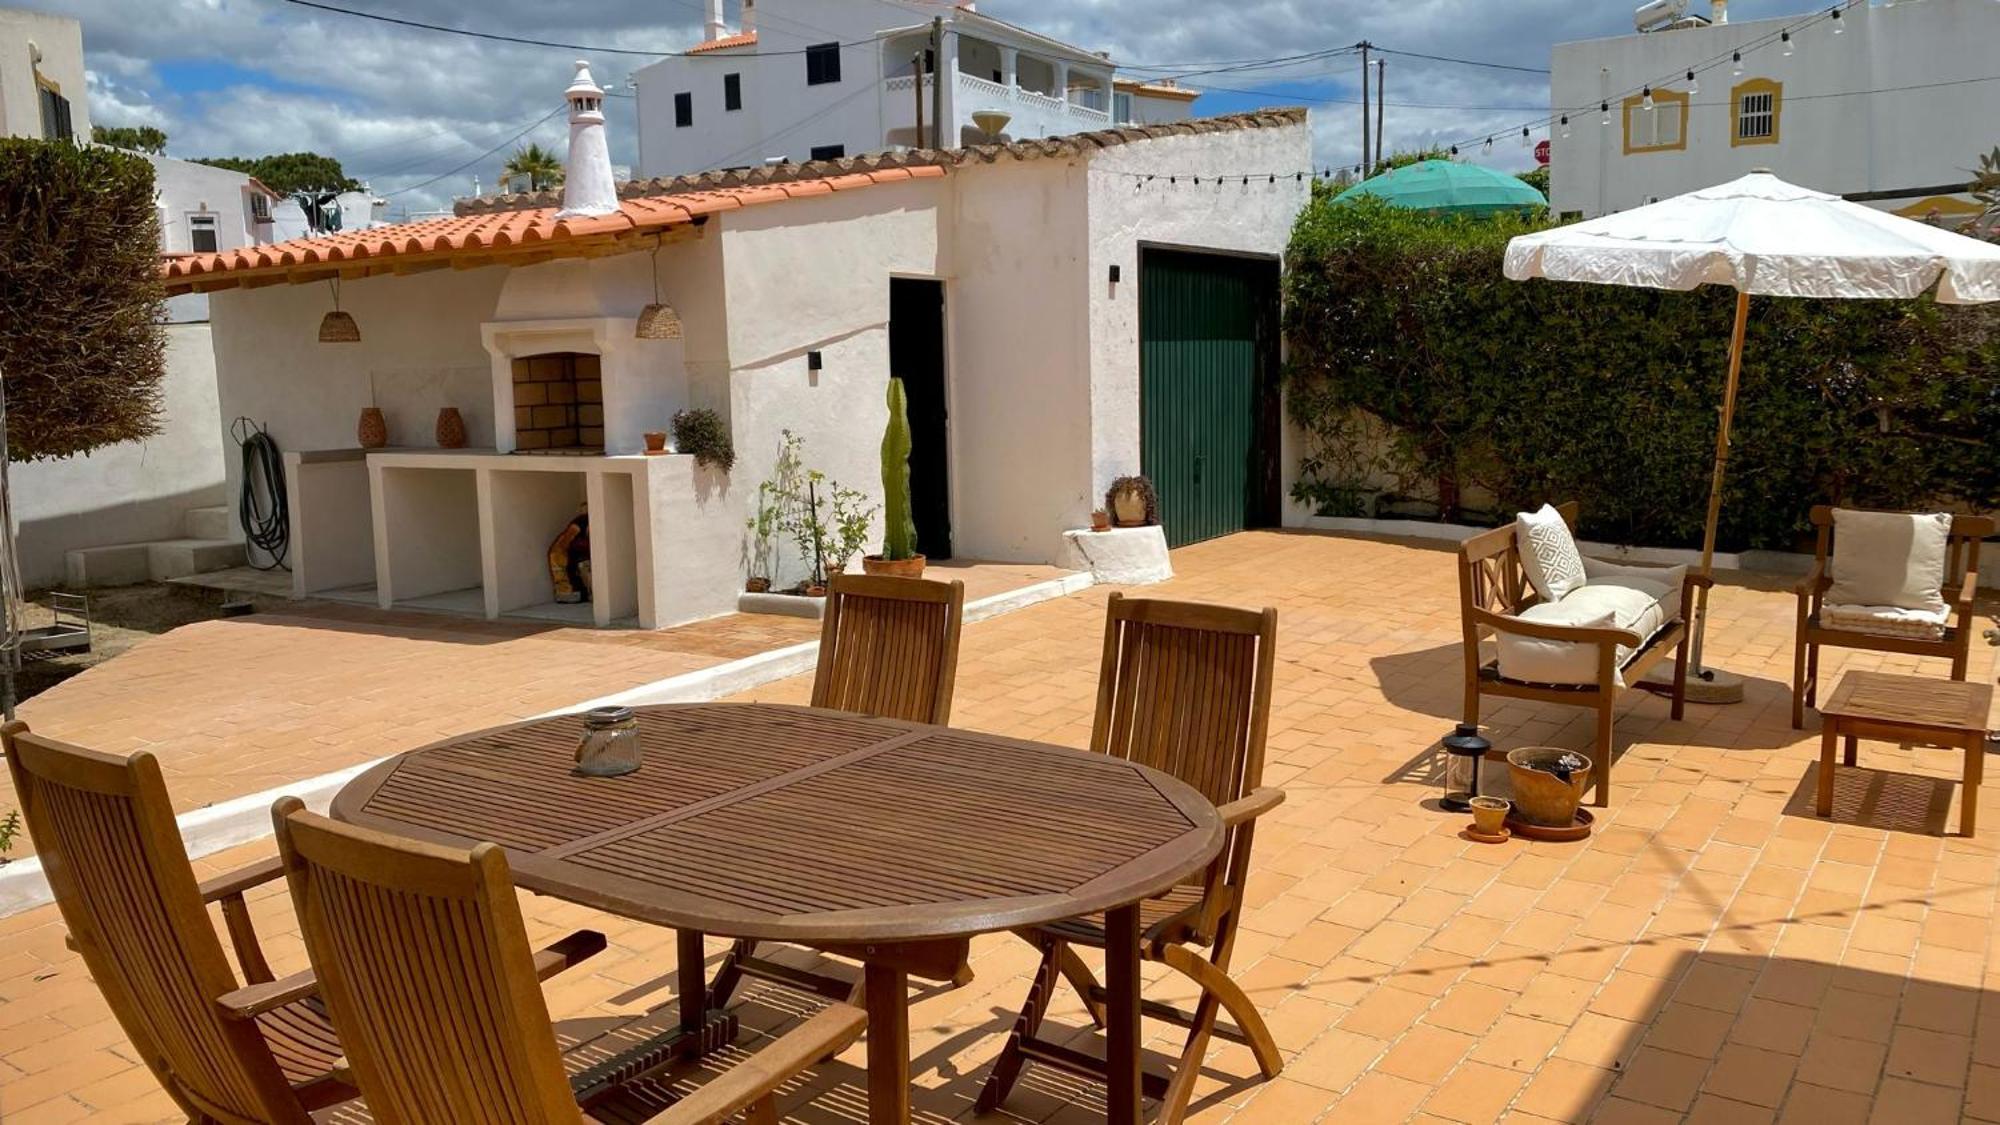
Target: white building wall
59	40
133	491
1127	213
1833	135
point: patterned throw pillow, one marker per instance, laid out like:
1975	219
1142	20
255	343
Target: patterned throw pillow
1548	553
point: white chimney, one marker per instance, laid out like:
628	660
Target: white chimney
715	28
1718	11
749	21
589	188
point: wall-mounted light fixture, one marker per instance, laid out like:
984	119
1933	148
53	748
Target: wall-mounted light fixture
1114	273
813	362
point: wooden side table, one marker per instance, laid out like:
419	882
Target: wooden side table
1901	708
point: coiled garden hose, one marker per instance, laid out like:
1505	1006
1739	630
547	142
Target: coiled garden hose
262	505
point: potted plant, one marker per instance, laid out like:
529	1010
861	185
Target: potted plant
1100	520
849	531
702	433
1132	502
899	555
656	442
763	528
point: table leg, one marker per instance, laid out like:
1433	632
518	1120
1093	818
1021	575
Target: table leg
692	979
888	998
1829	735
1121	1015
1853	751
1975	765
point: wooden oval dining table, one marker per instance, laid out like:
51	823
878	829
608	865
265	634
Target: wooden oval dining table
889	842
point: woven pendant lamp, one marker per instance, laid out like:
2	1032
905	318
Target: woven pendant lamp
338	327
657	321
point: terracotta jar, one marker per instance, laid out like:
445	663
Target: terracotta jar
373	430
656	441
912	567
450	429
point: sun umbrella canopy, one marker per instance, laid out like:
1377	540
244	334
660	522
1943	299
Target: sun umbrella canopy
1448	187
1761	235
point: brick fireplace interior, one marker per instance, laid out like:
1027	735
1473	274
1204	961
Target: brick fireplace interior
558	404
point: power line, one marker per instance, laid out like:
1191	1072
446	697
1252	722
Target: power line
527	41
1464	62
482	156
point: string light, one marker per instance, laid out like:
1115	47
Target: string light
1524	136
1736	64
1837	29
1605	109
1489	145
1646	98
1454	150
1565	125
1694	86
1785	37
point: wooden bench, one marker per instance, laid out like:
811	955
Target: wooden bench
1494	588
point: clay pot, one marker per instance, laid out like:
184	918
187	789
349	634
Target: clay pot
1541	798
815	591
656	441
757	586
1488	814
1128	508
450	428
1100	520
912	567
373	429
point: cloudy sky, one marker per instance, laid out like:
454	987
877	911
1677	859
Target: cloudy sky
415	113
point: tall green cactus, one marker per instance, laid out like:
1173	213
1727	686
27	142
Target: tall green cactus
899	530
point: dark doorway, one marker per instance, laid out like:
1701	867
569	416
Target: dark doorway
916	356
1208	396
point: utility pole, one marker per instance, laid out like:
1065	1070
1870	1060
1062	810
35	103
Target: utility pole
1367	165
917	84
937	82
1380	66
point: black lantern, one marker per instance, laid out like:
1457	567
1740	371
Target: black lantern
1464	750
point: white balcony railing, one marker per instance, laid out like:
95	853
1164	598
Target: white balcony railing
1031	114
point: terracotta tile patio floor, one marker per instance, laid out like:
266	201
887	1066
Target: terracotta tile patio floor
1713	953
239	705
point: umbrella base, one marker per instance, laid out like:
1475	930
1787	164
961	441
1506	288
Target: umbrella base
1713	686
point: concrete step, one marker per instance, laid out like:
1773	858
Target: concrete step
178	558
121	564
208	523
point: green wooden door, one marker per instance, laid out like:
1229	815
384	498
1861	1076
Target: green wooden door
1205	345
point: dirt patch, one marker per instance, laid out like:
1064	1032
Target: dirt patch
120	616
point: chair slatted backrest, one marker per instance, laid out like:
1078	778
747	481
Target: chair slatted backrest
1491	575
889	647
1961	545
1186	689
425	965
104	830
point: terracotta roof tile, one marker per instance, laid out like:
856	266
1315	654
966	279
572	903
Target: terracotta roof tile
742	39
513	222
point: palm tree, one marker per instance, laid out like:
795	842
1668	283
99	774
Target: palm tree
535	164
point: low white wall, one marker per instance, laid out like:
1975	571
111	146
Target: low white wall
133	491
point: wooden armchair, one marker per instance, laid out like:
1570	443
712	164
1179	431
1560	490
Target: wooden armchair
425	965
1186	689
225	1051
888	647
1960	588
1493	589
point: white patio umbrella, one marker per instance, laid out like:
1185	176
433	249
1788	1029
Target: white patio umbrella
1760	235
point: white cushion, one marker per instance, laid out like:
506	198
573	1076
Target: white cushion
1888	620
1640	599
1548	553
1889	559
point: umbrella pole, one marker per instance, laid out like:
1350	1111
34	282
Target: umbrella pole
1715	482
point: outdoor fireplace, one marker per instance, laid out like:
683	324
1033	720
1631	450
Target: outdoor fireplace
558	404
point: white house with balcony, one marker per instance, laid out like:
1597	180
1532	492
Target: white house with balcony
799	80
1889	105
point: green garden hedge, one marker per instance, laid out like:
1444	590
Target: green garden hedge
1549	391
80	297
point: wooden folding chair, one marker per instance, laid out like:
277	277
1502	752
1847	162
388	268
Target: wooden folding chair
104	830
424	961
1186	689
887	647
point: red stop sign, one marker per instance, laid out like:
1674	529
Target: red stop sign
1542	151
